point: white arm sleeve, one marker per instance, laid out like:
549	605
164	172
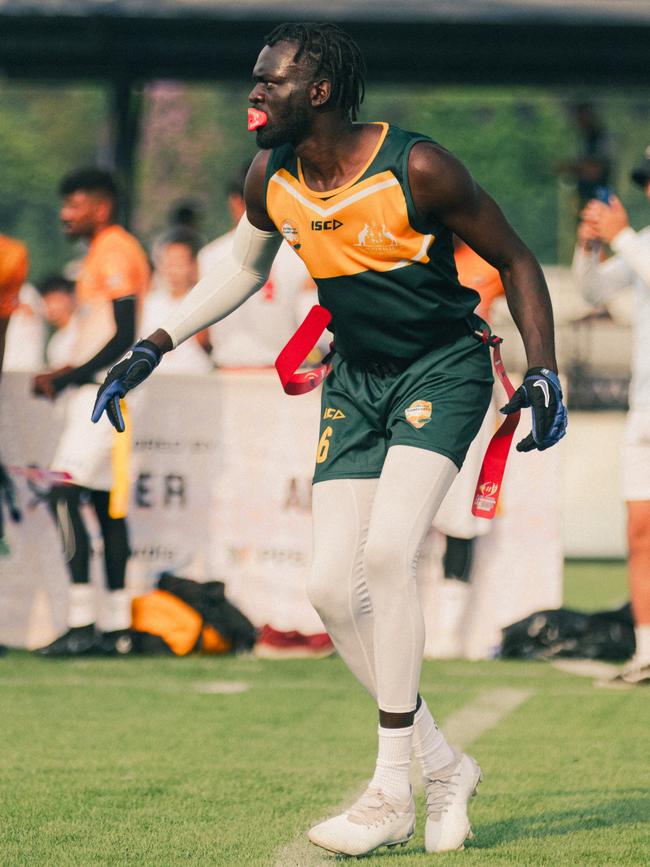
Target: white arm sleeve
634	248
596	280
238	276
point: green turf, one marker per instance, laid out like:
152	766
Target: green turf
126	762
590	585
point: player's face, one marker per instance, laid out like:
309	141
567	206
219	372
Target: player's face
282	92
179	266
58	307
82	212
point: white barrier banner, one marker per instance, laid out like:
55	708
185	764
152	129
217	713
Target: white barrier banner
221	489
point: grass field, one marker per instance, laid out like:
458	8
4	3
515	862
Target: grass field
227	761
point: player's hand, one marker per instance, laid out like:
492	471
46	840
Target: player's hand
45	385
606	220
587	235
134	368
541	391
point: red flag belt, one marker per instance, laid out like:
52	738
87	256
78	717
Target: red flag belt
490	479
298	348
294	381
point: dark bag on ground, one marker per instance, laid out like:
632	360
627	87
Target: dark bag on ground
184	616
564	633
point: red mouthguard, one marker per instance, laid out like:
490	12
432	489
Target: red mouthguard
256	119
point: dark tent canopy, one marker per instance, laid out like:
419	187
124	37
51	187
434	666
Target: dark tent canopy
595	43
461	41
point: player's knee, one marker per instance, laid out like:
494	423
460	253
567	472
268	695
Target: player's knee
329	593
385	560
638	533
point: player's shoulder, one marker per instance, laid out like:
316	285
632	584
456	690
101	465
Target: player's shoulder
428	158
116	240
13	253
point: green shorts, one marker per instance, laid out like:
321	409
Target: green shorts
437	403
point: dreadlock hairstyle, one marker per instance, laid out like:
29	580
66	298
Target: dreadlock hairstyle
334	54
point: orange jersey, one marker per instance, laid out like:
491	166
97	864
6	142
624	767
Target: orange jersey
115	267
475	273
14	265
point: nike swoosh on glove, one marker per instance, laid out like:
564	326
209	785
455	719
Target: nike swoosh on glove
133	369
541	391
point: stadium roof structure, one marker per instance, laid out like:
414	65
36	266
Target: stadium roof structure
440	41
586	43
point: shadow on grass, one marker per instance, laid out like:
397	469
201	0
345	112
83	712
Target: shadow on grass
624	807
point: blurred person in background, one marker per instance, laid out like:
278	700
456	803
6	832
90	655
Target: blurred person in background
111	282
454	518
253	334
26	332
59	305
184	215
600	279
591	168
409	386
14	267
176	270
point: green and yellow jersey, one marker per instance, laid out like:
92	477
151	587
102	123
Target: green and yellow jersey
388	279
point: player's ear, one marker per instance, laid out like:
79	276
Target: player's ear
104	209
320	92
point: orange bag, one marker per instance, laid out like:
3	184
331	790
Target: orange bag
179	625
163	614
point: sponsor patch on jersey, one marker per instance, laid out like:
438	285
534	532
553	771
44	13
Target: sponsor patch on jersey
418	413
377	240
325	225
332	413
290	233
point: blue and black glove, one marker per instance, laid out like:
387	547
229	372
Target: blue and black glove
541	391
133	369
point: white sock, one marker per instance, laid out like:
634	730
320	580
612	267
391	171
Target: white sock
642	638
116	612
81	605
429	744
393	762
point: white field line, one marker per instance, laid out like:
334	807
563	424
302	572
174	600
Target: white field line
461	728
586	667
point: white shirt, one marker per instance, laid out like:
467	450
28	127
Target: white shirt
60	347
26	333
598	281
253	335
187	357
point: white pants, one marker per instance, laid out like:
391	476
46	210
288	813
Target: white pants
367	537
84	449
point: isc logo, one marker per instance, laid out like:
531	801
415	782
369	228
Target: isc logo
325	225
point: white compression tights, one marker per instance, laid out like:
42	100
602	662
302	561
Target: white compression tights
367	536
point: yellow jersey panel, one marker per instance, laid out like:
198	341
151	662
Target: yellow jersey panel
362	228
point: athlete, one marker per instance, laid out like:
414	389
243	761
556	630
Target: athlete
113	277
371	210
600	280
14	267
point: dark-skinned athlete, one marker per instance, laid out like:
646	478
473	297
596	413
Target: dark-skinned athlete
371	210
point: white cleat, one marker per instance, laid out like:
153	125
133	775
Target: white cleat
373	821
447	793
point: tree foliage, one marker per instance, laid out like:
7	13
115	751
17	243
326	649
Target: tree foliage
193	138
